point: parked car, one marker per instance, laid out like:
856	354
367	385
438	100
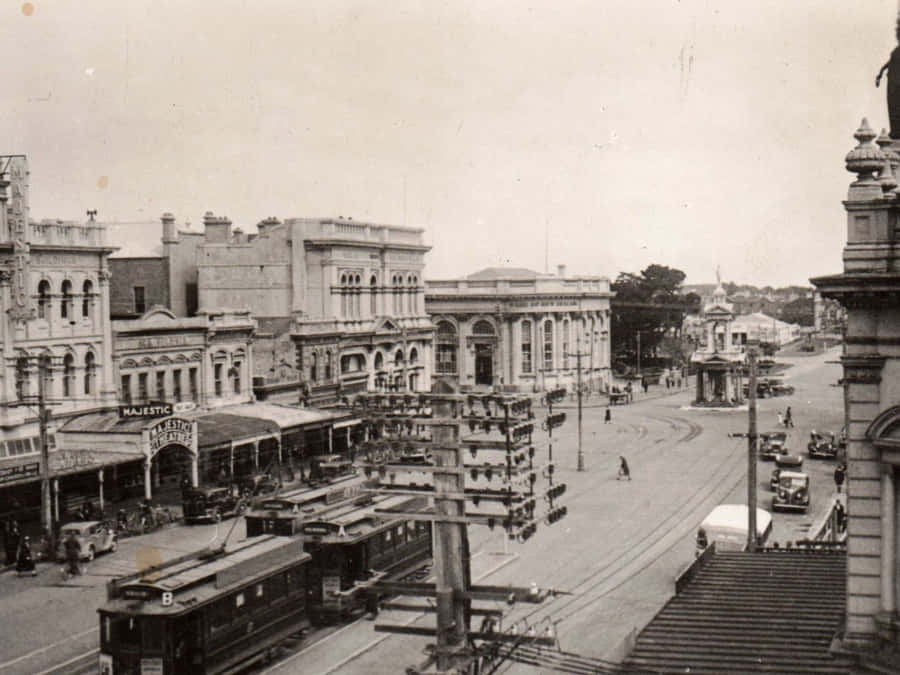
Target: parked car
792	493
772	444
210	504
95	537
326	468
784	463
259	484
779	388
822	445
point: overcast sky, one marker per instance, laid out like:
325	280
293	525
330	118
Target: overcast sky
691	134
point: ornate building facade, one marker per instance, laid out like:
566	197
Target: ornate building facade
55	327
520	330
719	360
869	290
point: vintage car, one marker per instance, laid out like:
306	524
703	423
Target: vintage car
762	389
779	388
326	468
792	493
727	526
259	484
784	463
210	504
94	536
822	445
772	444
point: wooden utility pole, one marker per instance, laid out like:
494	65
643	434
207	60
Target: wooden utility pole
752	450
43	423
578	356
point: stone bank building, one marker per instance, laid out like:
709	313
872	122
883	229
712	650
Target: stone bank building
519	330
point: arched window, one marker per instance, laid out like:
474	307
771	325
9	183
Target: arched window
44	299
398	358
483	327
548	345
65	307
313	366
413	356
379	362
90	373
327	365
565	343
410	295
68	375
46	374
22	388
446	346
87	291
415	295
526	347
357	292
373	296
344	296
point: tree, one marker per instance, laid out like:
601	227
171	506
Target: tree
800	311
647	307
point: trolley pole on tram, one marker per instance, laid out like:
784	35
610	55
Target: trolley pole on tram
751	446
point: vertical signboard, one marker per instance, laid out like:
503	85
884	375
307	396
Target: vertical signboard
15	168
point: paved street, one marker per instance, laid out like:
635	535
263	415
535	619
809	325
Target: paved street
617	553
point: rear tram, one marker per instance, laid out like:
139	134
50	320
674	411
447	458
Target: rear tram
356	546
216	612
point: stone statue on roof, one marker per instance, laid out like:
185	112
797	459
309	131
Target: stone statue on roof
893	86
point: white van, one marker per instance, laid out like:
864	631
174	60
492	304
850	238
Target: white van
726	525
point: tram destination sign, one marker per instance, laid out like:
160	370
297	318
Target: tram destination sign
149	410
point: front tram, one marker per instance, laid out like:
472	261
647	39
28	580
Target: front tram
216	612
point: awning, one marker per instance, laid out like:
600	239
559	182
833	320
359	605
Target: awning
347	423
285	416
223	429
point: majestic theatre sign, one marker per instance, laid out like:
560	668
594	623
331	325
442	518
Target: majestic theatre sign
14	169
171	431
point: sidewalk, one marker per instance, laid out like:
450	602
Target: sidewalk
602	400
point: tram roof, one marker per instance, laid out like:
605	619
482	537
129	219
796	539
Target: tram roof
197	580
358	522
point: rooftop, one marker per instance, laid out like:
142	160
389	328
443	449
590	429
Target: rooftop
774	611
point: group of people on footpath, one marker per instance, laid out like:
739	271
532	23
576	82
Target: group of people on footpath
19	550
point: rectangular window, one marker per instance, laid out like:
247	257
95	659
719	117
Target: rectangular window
176	384
237	377
526	347
217	371
446	358
139	304
125	393
161	385
142	387
192	383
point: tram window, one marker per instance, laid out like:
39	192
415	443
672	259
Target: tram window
400	534
239	600
126	631
387	536
259	590
153	635
107	630
220	615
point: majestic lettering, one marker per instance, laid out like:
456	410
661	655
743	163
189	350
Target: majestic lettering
172	430
16	168
157	410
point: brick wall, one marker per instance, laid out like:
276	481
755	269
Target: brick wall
151	273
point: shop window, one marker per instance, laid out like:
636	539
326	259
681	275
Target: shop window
44	299
87	292
526	347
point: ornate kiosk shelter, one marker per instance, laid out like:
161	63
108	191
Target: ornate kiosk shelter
719	363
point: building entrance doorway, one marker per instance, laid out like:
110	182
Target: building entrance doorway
484	364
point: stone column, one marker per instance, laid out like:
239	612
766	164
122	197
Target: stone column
462	354
888	539
148	492
195	455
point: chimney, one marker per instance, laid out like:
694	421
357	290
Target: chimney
216	230
168	223
561	271
266	224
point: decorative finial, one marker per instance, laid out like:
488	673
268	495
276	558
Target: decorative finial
865	160
886	177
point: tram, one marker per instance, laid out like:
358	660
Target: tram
355	546
214	612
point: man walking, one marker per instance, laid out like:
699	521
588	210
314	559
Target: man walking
607	417
73	553
839	474
788	418
624	471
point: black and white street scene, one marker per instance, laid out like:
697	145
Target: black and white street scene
449	338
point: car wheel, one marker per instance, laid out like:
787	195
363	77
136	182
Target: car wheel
113	547
217	517
90	555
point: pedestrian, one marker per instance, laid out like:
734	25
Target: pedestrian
12	542
840	516
788	418
24	560
624	471
839	474
607	417
73	553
